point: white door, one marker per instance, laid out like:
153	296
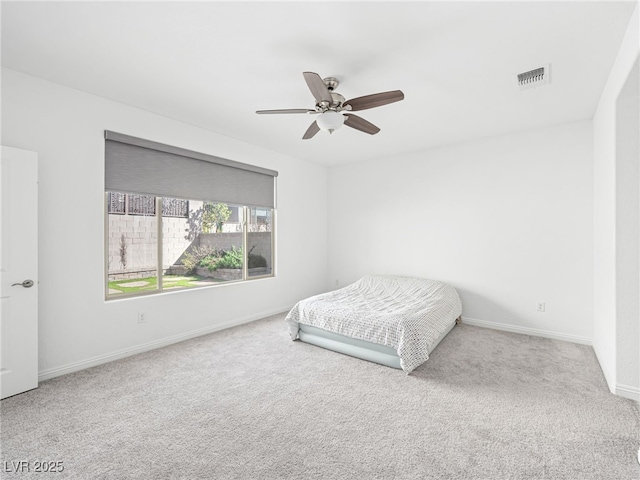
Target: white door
18	272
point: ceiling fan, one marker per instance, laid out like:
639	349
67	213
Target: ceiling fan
332	108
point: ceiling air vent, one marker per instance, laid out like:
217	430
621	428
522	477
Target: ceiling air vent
534	78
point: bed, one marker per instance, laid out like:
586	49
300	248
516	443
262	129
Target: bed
391	320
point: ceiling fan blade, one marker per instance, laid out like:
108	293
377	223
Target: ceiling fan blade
286	110
311	131
318	88
375	100
361	124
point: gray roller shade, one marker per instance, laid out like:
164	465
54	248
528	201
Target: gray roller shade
134	165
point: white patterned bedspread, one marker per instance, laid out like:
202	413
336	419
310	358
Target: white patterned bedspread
405	313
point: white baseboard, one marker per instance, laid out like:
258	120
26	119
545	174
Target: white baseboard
627	391
527	331
609	376
127	352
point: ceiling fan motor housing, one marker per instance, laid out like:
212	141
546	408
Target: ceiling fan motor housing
336	103
330	105
336	99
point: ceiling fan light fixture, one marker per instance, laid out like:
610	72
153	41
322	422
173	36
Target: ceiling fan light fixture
330	121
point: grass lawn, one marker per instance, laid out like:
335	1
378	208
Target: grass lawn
134	285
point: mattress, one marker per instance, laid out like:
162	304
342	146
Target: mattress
392	320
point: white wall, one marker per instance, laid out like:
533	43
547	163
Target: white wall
627	232
77	327
506	220
609	328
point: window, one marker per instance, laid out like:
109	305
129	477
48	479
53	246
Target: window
132	251
259	241
218	229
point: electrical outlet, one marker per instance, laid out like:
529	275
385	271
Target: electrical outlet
541	306
337	282
142	318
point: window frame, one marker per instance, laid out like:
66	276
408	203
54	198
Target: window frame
158	215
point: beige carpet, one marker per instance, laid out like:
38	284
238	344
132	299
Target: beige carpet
247	403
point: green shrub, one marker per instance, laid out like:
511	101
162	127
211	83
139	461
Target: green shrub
222	259
231	259
194	258
210	261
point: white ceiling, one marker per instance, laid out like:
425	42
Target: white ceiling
212	64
